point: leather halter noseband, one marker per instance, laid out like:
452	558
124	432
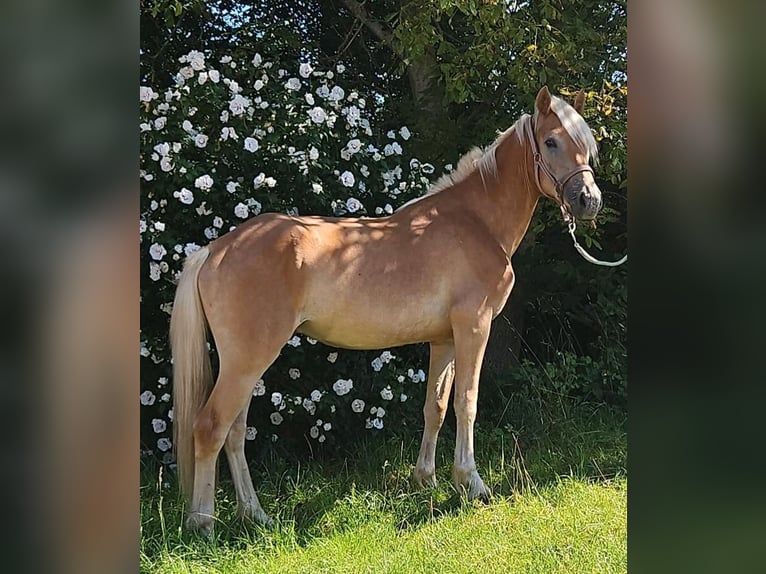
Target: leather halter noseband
540	164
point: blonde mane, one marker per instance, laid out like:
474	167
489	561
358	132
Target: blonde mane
485	161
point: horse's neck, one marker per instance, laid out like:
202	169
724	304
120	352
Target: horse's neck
505	202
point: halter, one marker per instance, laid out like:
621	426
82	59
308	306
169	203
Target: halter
559	186
540	164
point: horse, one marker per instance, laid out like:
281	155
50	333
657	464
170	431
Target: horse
437	270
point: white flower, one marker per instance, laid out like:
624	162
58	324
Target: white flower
141	226
342	387
231	187
309	406
253	205
305	70
336	94
147	398
260	388
340	68
164	444
294	373
317	115
228	132
353	205
203	182
354	145
166	164
196	60
276	419
257	60
241	211
381	412
187	126
217	222
405	133
190	248
314	432
332	357
165	398
347	179
154	271
157	251
428	168
327	426
202	78
357	405
239	104
145	127
251	144
146	94
311	341
250	433
159	426
352	115
316	188
309	99
313	153
200	140
386	394
276	399
160	122
377	364
258	85
397	148
295	341
214	76
259	179
386	356
293	84
402	397
377	423
316	395
162	148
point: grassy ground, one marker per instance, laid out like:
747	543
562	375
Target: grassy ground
559	506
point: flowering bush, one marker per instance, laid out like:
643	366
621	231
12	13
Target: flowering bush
238	135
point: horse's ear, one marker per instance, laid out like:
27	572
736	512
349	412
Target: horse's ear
543	101
579	103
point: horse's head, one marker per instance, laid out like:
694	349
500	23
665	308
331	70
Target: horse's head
563	147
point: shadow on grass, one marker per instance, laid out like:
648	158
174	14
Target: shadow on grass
371	481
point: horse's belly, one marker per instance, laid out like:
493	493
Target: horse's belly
381	330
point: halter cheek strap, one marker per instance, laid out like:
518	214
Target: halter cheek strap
540	165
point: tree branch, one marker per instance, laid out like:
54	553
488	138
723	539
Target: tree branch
358	10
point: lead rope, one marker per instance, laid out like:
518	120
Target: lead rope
587	256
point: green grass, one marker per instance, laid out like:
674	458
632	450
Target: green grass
559	506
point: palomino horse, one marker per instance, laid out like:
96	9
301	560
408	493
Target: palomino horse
438	270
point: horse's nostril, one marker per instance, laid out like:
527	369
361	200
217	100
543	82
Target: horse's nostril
583	200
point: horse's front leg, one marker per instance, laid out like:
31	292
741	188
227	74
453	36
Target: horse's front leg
441	373
471	332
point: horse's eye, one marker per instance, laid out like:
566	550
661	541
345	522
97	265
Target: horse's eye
551	143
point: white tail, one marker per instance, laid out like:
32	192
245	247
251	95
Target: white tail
192	373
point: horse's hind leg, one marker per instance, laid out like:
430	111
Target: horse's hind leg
230	395
248	504
441	373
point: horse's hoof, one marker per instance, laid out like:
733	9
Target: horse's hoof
257	515
470	484
424	478
200	524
